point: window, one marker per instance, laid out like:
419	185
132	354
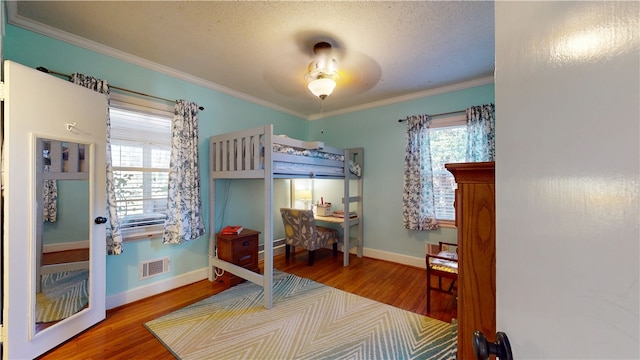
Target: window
140	152
448	140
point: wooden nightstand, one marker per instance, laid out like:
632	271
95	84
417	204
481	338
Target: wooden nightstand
241	250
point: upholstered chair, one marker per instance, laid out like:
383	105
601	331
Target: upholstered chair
301	230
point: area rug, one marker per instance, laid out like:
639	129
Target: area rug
308	321
63	294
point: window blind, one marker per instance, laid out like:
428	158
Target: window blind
448	145
140	150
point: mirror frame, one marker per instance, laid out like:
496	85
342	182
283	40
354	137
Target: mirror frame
82	173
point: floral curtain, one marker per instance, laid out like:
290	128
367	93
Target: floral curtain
114	236
50	194
481	130
418	210
184	217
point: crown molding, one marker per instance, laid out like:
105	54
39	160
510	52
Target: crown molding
67	37
413	96
37	27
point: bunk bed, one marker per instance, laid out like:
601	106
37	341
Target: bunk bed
259	154
59	161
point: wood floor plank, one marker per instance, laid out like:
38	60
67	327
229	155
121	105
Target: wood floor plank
123	335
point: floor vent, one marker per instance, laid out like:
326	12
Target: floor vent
154	267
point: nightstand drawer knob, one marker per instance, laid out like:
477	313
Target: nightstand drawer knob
246	243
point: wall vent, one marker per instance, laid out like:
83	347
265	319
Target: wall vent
154	267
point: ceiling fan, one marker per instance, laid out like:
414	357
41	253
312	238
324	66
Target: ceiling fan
351	71
323	71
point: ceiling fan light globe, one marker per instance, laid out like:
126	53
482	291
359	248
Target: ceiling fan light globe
322	71
322	87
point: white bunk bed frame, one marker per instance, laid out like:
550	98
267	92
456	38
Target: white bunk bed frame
237	155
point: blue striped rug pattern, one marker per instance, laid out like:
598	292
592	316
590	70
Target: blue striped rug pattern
62	295
308	321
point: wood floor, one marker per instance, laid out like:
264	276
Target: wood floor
61	257
123	336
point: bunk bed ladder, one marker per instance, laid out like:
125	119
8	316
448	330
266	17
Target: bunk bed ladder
348	242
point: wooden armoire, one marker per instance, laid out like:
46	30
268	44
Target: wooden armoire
476	222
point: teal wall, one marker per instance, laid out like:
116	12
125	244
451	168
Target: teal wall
223	113
376	130
72	221
383	139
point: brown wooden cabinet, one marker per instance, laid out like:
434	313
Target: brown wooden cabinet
241	250
476	223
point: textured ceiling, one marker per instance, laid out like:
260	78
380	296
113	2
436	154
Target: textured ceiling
260	50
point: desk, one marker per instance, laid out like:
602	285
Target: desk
336	220
347	241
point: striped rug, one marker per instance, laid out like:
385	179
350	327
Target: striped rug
308	321
63	294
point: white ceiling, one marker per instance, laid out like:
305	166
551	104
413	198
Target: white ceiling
259	51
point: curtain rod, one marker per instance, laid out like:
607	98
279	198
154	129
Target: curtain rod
441	114
45	70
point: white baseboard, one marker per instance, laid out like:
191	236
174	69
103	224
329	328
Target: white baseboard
155	288
395	258
370	253
48	248
200	274
379	255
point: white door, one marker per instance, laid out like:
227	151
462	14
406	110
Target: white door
40	106
567	178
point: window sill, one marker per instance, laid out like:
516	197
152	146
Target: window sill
140	234
450	224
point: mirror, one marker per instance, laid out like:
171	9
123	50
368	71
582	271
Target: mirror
63	231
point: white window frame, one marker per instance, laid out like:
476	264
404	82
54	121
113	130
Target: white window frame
131	103
448	122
